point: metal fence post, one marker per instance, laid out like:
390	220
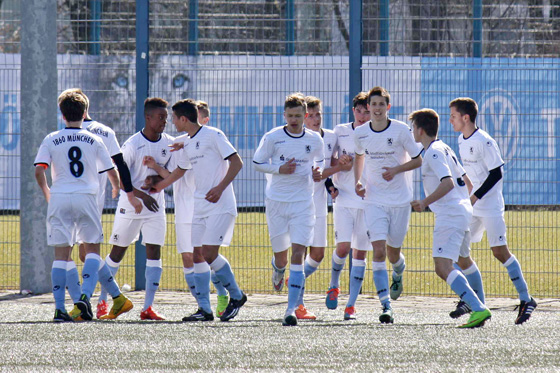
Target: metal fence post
290	28
384	27
95	29
193	27
38	117
142	92
477	28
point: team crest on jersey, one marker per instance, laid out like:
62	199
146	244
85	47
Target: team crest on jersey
122	211
366	151
471	150
116	237
308	148
282	158
390	141
197	146
329	147
163	152
434	156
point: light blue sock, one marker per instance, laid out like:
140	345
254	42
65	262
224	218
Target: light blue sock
296	282
220	289
221	266
113	267
189	278
90	274
337	266
516	275
202	283
456	266
398	268
58	278
460	286
107	280
309	267
356	280
153	276
475	281
73	281
381	281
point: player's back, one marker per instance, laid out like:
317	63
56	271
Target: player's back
319	190
344	180
183	190
76	156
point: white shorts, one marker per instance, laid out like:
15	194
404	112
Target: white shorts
127	231
451	242
320	232
495	227
183	236
290	222
213	230
73	218
350	226
386	223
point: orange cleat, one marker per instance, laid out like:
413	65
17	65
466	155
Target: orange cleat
350	313
102	309
303	314
150	314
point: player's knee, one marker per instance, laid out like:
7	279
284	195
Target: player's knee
501	253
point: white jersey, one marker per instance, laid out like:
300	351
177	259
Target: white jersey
344	180
207	153
183	190
439	163
480	154
319	190
134	150
279	146
76	157
391	147
110	140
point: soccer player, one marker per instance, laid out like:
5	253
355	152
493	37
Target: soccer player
483	163
215	163
294	156
348	208
150	141
110	141
384	148
446	193
76	156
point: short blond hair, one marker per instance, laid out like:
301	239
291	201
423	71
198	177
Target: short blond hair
296	99
203	109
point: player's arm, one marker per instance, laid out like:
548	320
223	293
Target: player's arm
494	176
42	180
170	179
126	181
359	162
444	187
235	165
468	183
391	172
115	182
150	162
337	166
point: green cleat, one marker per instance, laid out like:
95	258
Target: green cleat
386	316
477	319
223	301
396	288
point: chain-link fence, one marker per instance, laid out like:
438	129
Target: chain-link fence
243	57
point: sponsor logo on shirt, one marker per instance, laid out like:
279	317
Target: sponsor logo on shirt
279	142
434	156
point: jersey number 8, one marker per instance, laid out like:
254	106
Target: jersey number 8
76	167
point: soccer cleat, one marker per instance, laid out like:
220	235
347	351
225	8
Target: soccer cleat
290	319
477	319
332	298
121	304
461	309
61	316
223	301
525	311
199	315
102	309
76	314
350	313
396	289
150	314
303	313
277	278
85	307
386	316
233	307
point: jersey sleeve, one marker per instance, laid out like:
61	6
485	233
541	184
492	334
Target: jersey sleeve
438	164
112	144
104	161
413	148
43	155
182	160
319	157
264	151
491	154
127	151
359	148
222	144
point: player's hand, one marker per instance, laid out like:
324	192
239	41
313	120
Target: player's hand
389	173
333	192
288	167
115	193
317	174
135	202
473	199
418	205
150	203
149	161
176	146
214	194
360	190
346	162
150	183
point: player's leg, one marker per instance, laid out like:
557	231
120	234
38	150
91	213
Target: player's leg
58	278
73	284
279	239
295	283
183	234
221	294
356	279
496	231
399	217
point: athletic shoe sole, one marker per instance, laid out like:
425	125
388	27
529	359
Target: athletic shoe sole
290	320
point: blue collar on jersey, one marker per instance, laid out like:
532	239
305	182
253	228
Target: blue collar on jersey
295	137
466	138
384	129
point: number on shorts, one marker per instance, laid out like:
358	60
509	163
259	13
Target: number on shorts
76	167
